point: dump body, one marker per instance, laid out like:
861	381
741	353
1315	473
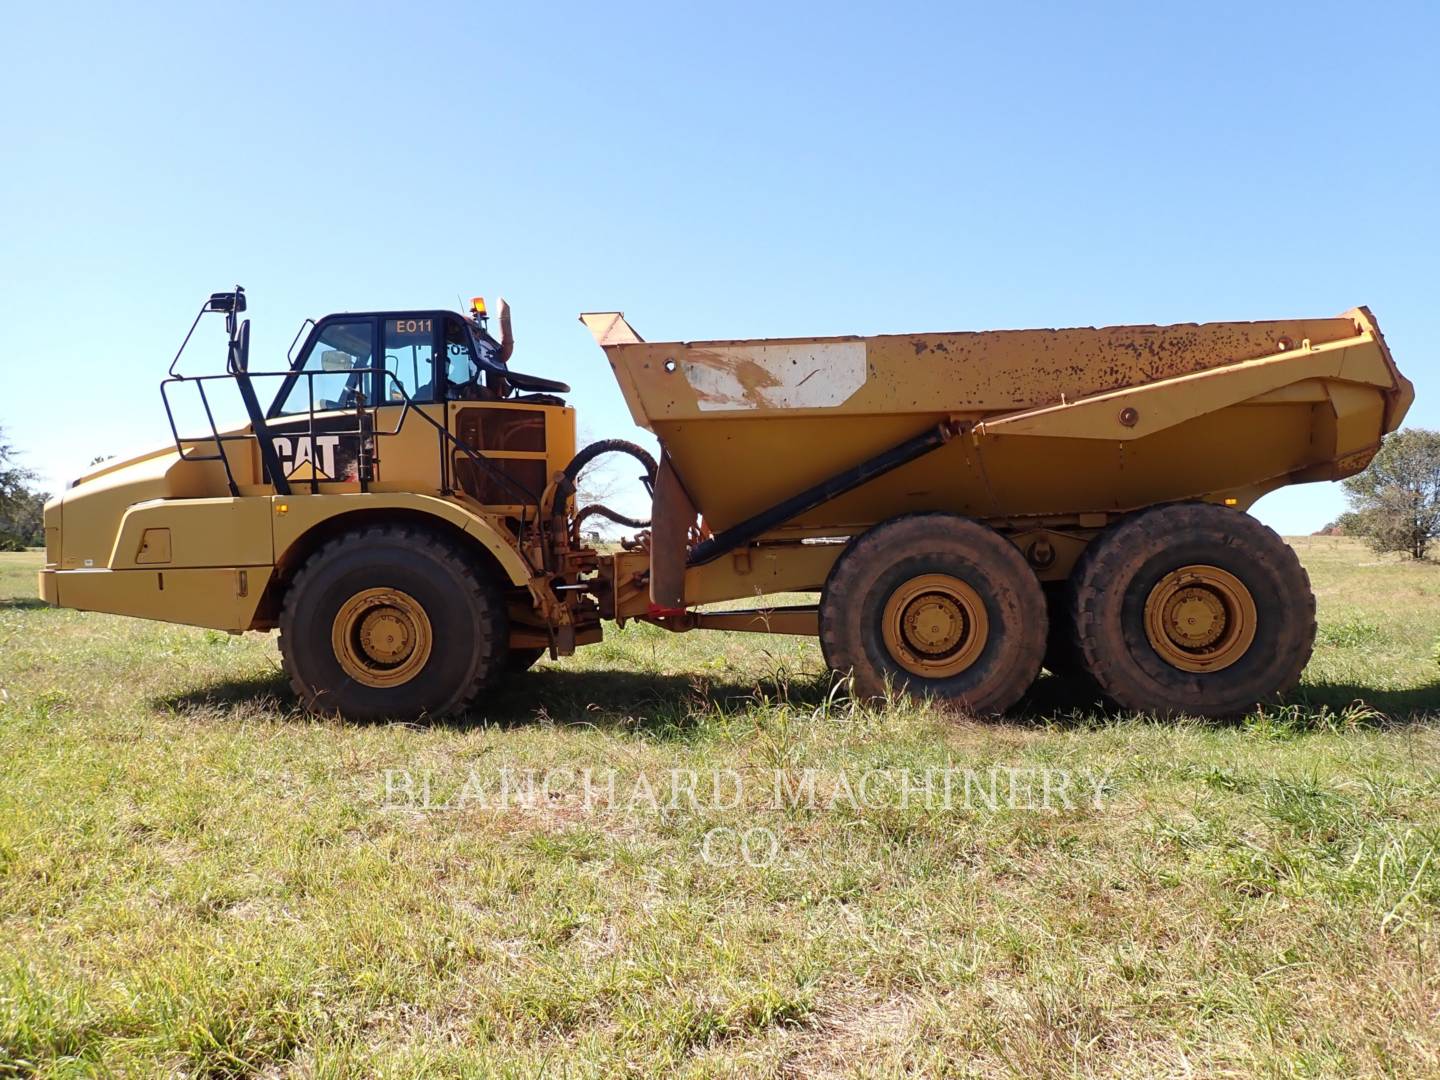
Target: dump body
1052	424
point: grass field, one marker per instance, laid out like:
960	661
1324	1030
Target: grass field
195	880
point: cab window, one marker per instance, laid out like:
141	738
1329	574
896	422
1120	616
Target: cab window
336	352
409	360
463	371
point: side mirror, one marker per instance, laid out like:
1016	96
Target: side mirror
335	360
240	349
227	302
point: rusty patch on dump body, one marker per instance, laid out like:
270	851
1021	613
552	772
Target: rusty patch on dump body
1006	369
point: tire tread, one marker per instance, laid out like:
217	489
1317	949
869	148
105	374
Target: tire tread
907	535
479	589
1103	563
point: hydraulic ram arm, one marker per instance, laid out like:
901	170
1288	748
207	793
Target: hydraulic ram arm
823	492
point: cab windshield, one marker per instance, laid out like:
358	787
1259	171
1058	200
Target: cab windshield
330	370
427	357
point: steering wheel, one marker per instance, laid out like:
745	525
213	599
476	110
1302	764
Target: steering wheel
470	390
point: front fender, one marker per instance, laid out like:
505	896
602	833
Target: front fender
295	516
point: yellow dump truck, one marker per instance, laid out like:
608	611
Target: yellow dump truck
969	507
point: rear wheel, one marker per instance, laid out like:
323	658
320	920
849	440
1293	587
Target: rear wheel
1192	608
934	604
391	622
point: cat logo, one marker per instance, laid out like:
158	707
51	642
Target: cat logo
298	457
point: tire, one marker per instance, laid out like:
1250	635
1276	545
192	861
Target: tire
392	622
1192	609
519	660
935	605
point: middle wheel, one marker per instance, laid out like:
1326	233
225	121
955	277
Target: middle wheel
937	605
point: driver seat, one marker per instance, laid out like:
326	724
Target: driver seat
535	384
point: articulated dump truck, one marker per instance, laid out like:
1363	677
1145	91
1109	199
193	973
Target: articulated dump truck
969	507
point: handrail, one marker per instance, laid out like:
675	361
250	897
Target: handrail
362	413
219	439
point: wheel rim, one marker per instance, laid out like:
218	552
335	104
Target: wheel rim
935	626
1200	618
381	637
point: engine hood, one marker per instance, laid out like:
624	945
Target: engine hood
87	515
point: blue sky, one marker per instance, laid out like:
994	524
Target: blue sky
735	170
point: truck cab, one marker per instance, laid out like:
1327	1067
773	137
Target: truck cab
401	416
380	366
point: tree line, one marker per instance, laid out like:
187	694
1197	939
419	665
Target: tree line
22	508
1395	502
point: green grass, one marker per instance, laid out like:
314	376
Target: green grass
195	880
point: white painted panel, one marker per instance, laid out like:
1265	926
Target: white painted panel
815	376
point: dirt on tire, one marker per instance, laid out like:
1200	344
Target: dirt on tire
878	562
1114	579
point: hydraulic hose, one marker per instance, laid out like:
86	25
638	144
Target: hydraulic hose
601	510
571	473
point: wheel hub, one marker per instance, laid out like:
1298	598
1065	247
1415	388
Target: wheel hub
386	636
935	626
1200	618
381	637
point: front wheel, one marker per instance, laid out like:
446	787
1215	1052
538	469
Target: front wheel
1192	609
935	605
392	622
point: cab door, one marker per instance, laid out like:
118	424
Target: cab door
412	456
408	348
